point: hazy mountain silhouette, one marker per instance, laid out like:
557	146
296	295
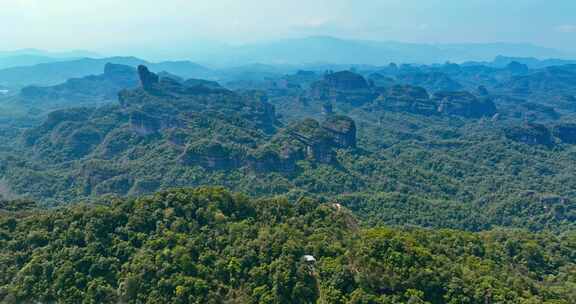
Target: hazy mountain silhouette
28	57
53	73
325	49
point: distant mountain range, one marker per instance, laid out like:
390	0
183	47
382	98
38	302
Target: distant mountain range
28	57
254	61
309	50
531	62
323	49
52	73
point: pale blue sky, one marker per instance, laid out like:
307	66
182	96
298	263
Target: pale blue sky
119	25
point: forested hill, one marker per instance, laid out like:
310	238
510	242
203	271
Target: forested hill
207	245
351	188
394	154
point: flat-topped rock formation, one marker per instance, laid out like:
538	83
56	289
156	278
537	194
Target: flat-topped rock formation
464	104
531	134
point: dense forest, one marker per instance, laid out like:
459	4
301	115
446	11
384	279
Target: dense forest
207	245
393	153
380	184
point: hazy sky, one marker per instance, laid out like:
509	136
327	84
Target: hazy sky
118	25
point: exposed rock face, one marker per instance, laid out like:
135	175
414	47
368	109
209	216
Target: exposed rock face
464	104
264	113
288	158
343	130
517	67
267	161
531	134
322	152
216	156
148	80
211	156
172	86
283	161
334	132
320	140
565	132
268	114
345	81
94	175
406	98
342	87
143	123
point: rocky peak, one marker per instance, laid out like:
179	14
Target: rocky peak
263	112
345	80
406	98
344	87
174	86
464	104
320	139
148	80
342	129
517	67
211	155
531	134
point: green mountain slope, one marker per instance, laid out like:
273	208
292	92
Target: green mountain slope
394	159
207	245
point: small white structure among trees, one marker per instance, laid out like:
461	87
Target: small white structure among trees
309	259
